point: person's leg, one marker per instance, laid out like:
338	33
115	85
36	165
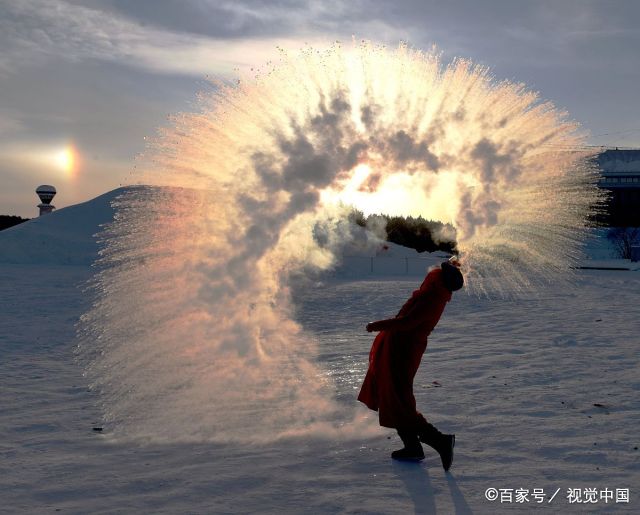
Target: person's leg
412	449
426	430
441	442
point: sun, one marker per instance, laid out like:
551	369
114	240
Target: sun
66	159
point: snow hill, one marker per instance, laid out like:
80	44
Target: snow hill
64	237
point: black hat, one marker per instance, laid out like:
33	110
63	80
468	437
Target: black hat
452	276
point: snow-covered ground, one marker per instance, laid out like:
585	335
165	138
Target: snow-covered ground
64	238
542	393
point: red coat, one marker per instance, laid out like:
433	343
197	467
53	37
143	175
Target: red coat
396	353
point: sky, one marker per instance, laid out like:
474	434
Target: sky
84	82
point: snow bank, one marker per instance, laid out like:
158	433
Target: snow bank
384	264
368	255
64	237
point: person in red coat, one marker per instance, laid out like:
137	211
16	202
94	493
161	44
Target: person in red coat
394	360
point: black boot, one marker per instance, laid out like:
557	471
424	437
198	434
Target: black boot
412	450
442	443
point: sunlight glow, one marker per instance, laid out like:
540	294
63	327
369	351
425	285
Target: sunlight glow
66	159
433	197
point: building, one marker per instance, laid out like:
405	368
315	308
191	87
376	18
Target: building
621	176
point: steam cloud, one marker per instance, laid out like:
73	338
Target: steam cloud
191	335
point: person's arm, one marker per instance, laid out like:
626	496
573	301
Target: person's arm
403	323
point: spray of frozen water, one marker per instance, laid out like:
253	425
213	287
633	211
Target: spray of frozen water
192	335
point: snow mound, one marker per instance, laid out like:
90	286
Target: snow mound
64	237
368	255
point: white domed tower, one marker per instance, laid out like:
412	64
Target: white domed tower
46	194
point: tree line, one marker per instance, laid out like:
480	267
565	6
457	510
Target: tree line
416	233
7	221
